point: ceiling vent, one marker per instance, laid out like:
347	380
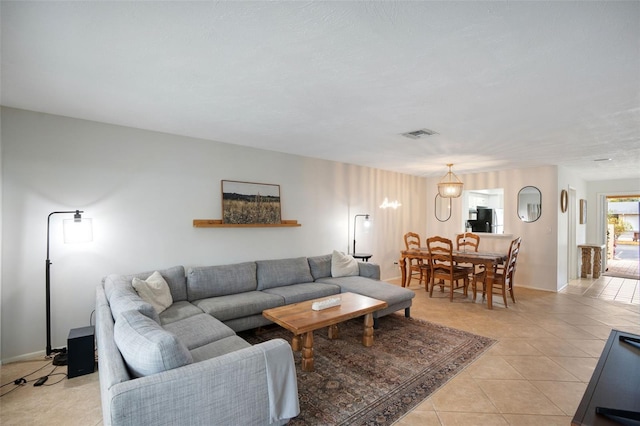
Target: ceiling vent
417	134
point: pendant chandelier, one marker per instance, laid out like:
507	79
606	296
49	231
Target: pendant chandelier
450	186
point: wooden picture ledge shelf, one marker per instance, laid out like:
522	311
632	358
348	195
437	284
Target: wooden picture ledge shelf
217	223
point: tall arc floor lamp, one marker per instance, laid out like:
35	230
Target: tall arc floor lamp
76	230
367	223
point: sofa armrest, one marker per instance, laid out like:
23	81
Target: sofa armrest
229	389
369	270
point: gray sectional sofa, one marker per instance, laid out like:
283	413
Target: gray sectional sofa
186	365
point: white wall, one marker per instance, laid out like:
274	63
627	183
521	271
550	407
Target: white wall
568	180
537	262
143	189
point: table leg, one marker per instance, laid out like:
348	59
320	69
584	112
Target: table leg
488	283
403	270
597	262
333	331
307	352
586	262
296	344
367	335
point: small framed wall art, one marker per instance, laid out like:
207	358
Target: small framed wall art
583	211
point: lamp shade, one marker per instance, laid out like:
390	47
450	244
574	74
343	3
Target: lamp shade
450	186
77	230
366	224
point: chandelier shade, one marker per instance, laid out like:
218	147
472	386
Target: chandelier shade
450	186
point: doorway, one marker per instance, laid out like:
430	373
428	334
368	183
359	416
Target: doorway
621	236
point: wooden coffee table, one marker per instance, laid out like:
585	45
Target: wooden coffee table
300	319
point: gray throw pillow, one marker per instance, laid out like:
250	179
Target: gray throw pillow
146	347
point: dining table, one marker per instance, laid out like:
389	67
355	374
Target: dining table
490	261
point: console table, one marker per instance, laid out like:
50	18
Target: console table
613	394
586	259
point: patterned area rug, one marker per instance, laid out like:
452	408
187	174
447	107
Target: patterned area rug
354	385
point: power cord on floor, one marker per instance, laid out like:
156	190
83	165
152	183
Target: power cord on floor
64	376
22	381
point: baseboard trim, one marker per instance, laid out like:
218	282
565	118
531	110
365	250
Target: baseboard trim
24	357
535	288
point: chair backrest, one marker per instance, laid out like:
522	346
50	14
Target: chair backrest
412	241
440	254
468	241
510	266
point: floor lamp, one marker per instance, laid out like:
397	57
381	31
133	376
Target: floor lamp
76	230
367	223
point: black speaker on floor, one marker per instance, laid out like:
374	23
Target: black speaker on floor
81	351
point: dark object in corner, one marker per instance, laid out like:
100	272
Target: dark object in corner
81	351
623	417
613	394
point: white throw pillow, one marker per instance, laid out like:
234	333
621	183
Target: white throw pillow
155	291
343	265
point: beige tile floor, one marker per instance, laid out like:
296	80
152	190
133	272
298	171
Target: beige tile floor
629	268
608	288
548	345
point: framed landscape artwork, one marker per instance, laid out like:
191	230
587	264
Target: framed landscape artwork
250	203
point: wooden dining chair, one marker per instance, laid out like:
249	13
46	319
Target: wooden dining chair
467	241
470	242
503	277
443	267
416	266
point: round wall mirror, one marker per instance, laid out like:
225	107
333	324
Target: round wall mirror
529	204
443	208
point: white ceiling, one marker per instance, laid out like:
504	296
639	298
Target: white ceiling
505	84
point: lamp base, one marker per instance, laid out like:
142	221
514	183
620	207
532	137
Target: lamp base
60	358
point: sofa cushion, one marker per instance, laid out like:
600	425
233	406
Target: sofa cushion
126	299
199	330
392	294
178	311
239	305
154	290
174	277
247	323
146	347
343	265
212	281
218	348
320	266
280	272
300	292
